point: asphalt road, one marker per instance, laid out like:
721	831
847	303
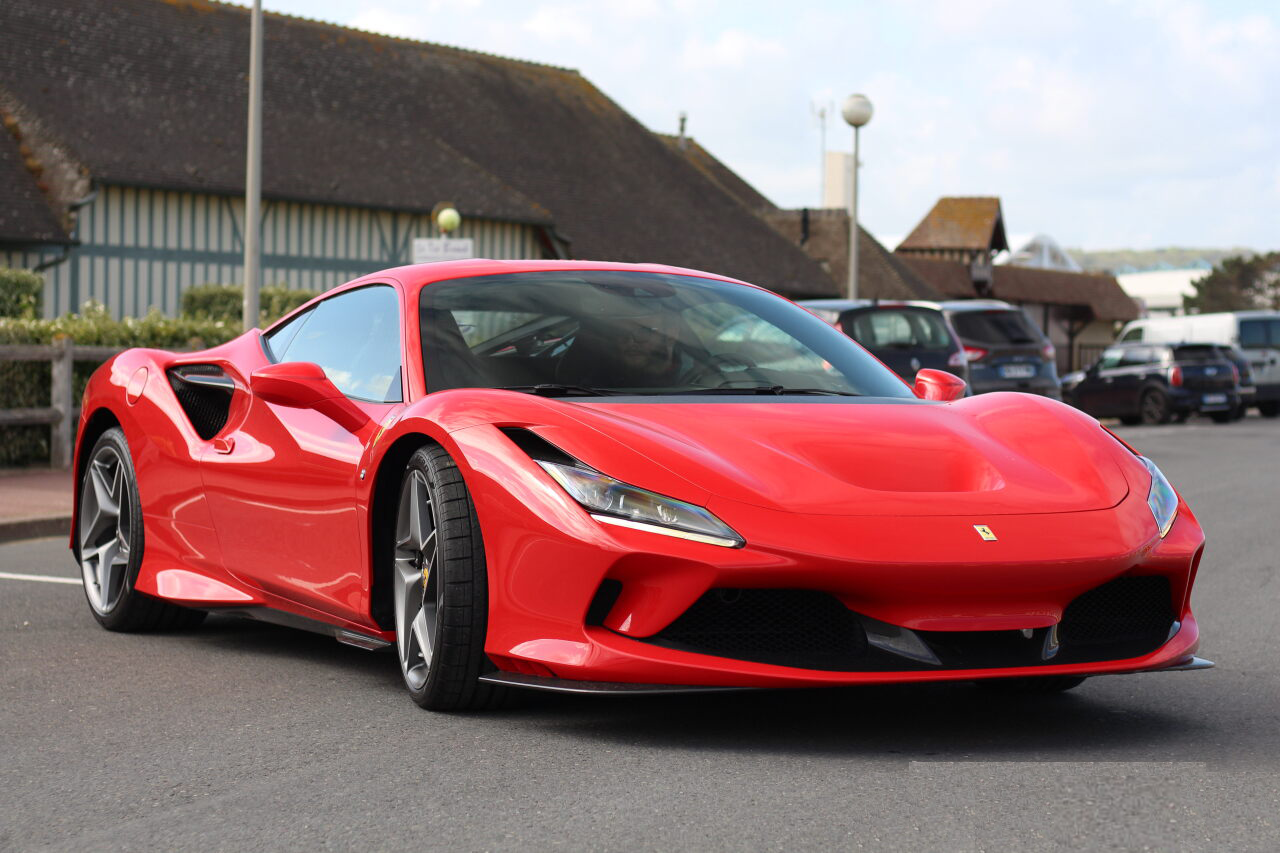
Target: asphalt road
242	736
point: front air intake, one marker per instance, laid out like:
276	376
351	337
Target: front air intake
788	627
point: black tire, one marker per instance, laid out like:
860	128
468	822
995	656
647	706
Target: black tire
1269	409
1223	417
1131	420
456	580
1154	407
1032	685
120	607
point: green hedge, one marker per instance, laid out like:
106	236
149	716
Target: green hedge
210	316
226	302
26	384
21	293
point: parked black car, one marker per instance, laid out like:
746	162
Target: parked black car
1156	383
1005	350
906	336
1245	385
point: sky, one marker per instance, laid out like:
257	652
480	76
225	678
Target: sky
1135	124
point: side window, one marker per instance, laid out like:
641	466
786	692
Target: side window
1110	358
1137	355
1275	333
1253	334
1134	334
279	338
355	337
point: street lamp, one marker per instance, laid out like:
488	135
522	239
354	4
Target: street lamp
857	111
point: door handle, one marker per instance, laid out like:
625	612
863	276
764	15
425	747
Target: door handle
224	445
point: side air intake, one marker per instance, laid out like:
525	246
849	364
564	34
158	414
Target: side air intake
204	391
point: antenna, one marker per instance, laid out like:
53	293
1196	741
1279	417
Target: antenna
820	111
684	117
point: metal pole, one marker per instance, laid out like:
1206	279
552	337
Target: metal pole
853	222
253	175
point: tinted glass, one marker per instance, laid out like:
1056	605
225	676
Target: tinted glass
1197	353
1274	332
898	328
355	337
1110	358
1134	334
635	333
279	338
1253	333
1139	355
995	327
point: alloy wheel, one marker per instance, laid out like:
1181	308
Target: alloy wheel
105	527
416	586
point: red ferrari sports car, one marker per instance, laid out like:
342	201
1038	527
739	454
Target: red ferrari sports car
621	478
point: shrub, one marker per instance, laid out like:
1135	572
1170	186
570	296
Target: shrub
226	302
21	293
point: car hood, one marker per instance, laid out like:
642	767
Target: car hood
991	454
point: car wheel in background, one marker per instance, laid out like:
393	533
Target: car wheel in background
1131	420
1223	417
1154	406
109	542
1269	409
441	587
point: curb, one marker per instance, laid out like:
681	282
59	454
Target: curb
34	528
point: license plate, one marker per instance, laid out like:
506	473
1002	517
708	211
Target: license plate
1214	399
1018	371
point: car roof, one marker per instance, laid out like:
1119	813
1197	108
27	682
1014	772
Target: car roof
977	305
415	276
854	304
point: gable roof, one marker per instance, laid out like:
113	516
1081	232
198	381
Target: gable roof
717	172
960	222
154	93
25	214
1102	294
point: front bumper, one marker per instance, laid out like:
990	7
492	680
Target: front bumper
550	565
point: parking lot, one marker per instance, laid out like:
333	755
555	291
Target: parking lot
247	736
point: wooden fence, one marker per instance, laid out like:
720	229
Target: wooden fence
62	413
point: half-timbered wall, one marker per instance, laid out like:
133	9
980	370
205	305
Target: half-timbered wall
140	248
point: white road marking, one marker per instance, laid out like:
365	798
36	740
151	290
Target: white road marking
10	576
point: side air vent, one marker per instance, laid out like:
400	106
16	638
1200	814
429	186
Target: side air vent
537	447
204	392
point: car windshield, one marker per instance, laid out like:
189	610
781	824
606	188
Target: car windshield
995	327
602	332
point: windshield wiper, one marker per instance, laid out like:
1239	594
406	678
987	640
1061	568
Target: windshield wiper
776	390
555	389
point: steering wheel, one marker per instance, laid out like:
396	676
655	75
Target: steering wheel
709	370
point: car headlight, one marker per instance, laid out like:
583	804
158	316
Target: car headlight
614	502
1162	499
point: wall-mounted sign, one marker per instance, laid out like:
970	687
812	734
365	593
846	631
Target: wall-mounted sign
430	249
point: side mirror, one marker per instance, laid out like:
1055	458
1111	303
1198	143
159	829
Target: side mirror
939	385
303	385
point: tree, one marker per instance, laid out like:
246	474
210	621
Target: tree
1238	284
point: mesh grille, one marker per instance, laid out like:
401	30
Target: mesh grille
789	627
206	407
1123	610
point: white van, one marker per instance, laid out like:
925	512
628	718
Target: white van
1257	333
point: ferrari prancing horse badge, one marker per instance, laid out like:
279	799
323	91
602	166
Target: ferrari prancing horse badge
985	532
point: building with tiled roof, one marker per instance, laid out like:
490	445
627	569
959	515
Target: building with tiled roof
952	248
134	115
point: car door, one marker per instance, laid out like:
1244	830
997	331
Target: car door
1260	340
1095	393
1128	380
281	485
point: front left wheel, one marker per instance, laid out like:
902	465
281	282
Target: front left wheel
109	543
441	588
